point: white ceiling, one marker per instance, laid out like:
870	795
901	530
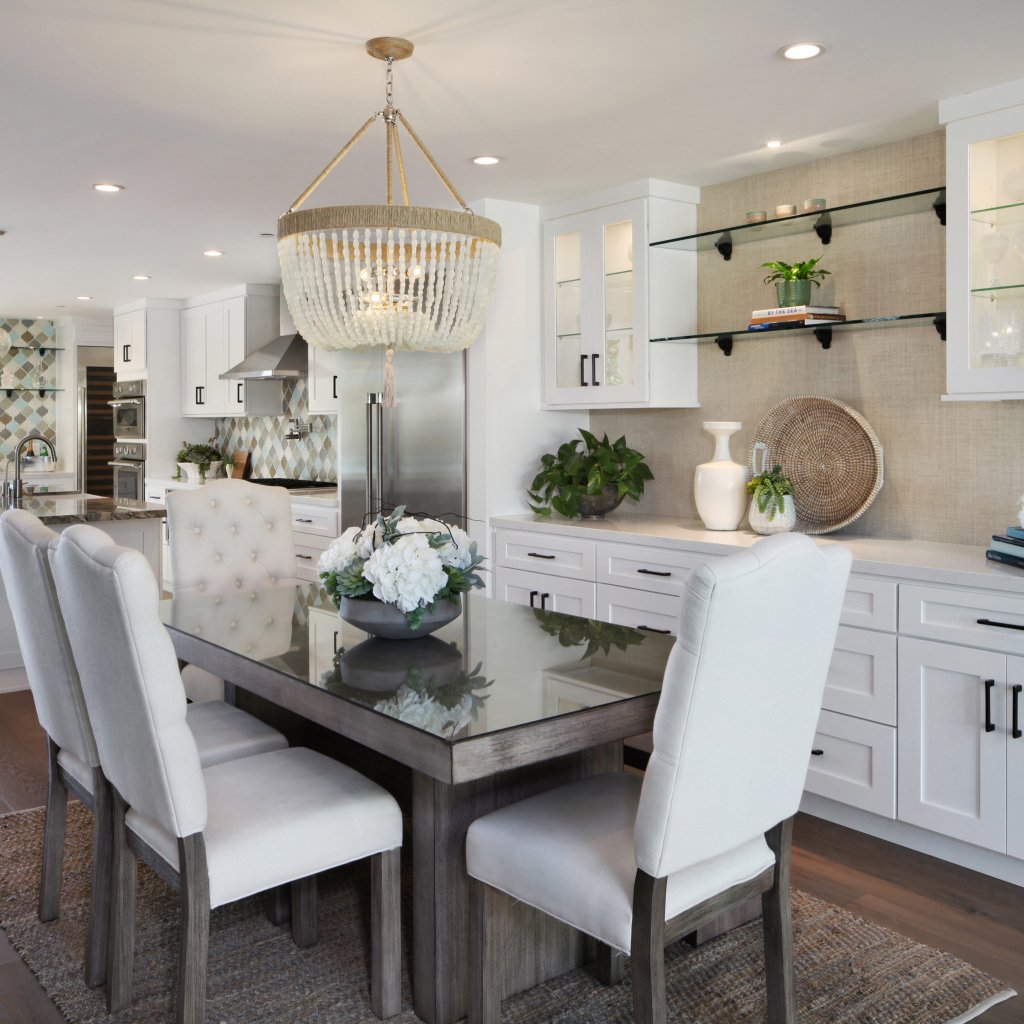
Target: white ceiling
216	113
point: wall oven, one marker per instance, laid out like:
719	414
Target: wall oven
129	408
129	465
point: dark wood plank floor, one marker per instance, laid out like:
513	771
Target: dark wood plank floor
972	916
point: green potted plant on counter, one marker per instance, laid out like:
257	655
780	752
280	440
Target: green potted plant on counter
199	461
772	508
590	482
793	280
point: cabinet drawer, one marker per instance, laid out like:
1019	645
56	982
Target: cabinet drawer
870	604
655	570
862	676
320	522
545	553
952	616
857	763
658	613
552	593
308	550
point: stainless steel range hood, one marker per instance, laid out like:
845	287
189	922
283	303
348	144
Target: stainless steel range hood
283	358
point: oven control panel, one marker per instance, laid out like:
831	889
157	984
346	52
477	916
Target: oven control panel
129	388
130	450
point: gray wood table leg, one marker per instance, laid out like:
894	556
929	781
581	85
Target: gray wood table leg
780	977
99	893
279	904
305	922
121	937
53	837
537	946
386	933
195	930
610	966
485	953
647	952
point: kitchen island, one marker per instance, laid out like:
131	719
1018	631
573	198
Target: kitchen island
133	524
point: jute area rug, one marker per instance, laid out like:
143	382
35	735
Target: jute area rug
848	970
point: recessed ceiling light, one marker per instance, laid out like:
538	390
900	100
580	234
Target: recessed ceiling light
774	144
107	187
213	252
84	298
141	277
802	51
487	159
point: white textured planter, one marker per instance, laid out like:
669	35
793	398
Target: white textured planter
190	471
720	486
782	523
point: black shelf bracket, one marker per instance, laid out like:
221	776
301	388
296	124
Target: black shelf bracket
939	206
724	246
724	342
823	228
824	336
940	324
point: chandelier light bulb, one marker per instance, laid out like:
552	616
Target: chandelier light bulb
802	51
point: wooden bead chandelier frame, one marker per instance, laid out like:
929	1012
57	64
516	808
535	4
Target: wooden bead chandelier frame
400	277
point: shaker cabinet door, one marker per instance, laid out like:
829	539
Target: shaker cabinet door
546	593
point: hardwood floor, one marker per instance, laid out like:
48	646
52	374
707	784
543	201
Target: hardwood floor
972	916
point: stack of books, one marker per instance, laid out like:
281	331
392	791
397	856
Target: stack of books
1009	549
794	316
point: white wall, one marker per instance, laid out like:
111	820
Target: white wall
507	431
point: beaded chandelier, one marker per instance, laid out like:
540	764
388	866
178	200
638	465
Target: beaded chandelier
400	277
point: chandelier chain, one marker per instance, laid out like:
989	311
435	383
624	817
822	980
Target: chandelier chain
390	80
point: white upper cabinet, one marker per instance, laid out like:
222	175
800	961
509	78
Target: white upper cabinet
324	371
607	294
985	246
130	344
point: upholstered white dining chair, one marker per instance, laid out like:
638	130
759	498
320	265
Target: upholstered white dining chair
221	732
217	834
225	537
638	863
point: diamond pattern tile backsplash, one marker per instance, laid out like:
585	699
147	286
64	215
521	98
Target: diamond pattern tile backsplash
24	412
314	457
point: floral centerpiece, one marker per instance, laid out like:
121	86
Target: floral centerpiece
401	577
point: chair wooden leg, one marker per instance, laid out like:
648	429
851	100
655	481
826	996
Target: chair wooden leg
305	923
121	935
780	977
484	954
279	904
610	967
53	837
195	929
386	933
648	950
99	891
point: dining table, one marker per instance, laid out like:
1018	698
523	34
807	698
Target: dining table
503	702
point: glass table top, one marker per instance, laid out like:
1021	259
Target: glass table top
497	666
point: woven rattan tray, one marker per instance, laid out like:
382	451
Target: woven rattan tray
830	453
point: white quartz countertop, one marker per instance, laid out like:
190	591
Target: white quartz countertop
921	560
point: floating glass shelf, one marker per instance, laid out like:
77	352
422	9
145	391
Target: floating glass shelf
36	348
822	332
822	222
998	288
41	391
1010	213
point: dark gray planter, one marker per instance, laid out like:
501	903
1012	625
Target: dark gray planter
387	621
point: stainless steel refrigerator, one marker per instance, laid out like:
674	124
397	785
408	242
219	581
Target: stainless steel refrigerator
412	455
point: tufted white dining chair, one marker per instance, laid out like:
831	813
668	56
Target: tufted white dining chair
221	732
225	537
216	834
638	863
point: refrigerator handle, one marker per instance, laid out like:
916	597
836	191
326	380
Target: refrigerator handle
374	453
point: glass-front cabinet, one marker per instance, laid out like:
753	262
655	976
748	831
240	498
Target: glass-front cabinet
600	311
985	256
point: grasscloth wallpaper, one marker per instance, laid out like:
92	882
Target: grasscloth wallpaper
953	470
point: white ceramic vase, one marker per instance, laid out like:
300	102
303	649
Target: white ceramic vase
190	471
782	523
720	486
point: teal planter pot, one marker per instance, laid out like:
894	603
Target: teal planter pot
793	293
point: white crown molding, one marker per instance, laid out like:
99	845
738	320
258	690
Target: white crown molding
984	101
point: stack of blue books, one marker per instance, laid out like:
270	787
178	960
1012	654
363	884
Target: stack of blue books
1008	549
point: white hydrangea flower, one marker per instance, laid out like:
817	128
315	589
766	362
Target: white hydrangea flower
455	552
421	710
341	552
408	573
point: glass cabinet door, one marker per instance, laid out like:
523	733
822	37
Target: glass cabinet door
568	311
618	306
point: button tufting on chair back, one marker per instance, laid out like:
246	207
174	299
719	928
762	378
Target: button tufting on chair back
230	536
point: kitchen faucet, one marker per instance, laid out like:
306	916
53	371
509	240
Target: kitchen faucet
12	491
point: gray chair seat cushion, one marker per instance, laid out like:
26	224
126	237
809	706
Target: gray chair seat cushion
569	852
226	733
277	817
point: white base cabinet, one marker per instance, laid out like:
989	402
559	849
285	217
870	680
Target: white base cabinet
547	593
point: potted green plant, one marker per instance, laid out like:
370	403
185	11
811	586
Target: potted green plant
198	460
770	512
793	280
590	482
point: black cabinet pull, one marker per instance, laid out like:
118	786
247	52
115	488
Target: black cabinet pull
1002	625
1016	734
124	353
653	572
583	371
989	725
651	629
817	752
533	594
334	387
199	396
303	520
543	598
593	370
238	395
533	554
308	558
335	641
